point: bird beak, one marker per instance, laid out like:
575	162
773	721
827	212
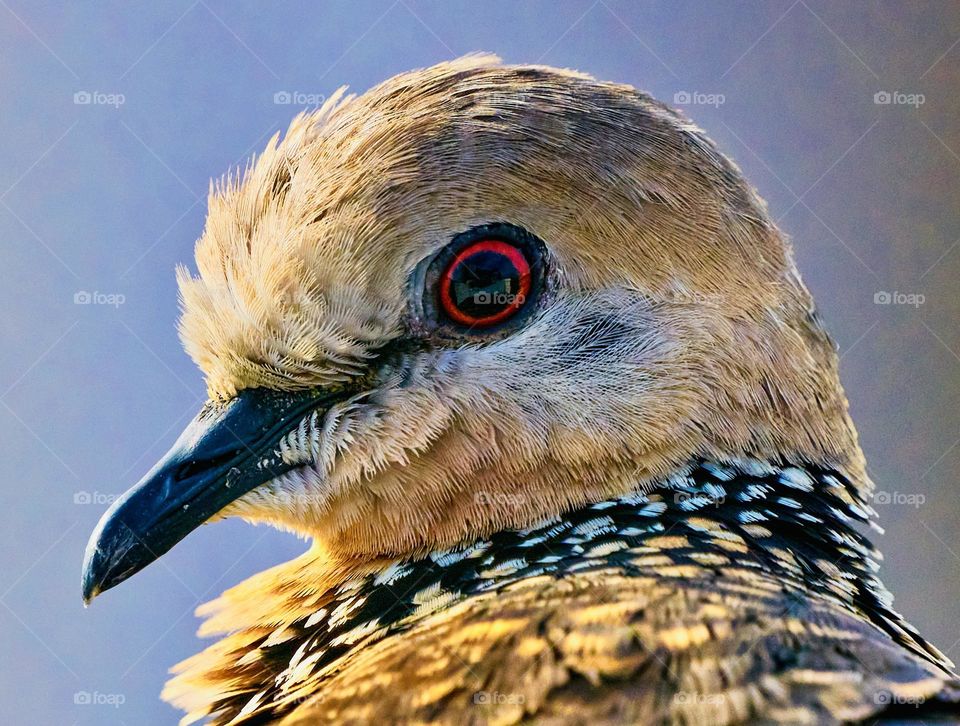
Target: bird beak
224	453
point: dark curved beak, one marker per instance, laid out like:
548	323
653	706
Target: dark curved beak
224	453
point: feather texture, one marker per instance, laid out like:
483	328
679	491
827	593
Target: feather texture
645	503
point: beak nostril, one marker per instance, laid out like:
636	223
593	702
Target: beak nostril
191	468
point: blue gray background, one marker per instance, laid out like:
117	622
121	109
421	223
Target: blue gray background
114	119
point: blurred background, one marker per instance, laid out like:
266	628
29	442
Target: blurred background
114	120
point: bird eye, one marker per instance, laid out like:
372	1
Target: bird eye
484	278
485	283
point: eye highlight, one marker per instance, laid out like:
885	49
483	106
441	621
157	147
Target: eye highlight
485	283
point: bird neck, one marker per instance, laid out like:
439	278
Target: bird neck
712	524
801	521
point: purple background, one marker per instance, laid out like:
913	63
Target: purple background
108	198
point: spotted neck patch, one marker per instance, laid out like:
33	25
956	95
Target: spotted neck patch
801	523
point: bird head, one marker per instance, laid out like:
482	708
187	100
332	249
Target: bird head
474	297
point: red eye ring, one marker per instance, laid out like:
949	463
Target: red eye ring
510	256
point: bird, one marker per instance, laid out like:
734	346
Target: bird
524	357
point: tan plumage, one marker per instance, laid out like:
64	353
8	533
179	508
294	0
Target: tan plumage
637	506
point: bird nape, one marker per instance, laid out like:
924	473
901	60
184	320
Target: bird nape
525	357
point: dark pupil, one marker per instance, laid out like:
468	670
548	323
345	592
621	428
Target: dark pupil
484	284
